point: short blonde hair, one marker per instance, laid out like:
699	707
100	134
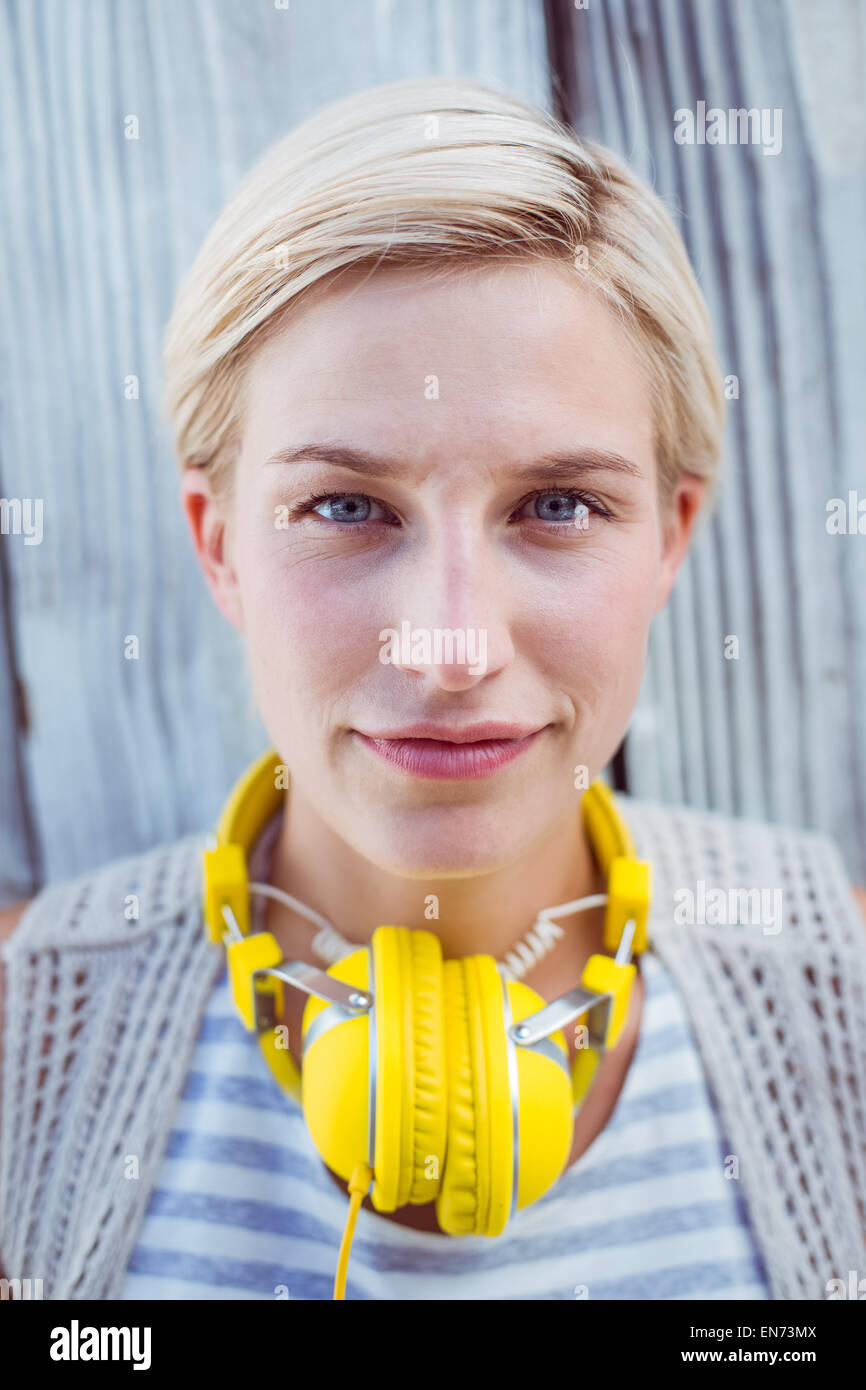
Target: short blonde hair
426	171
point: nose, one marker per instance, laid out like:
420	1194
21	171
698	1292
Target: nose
451	603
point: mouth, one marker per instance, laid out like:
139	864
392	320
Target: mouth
452	753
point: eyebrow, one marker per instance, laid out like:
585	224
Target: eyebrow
557	466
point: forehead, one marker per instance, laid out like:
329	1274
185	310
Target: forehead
518	351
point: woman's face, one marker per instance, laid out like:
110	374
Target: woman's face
503	486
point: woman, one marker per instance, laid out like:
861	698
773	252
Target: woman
441	368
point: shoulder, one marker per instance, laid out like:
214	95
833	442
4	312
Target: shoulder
732	840
688	846
110	905
94	968
10	917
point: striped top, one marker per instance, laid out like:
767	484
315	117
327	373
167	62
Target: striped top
245	1209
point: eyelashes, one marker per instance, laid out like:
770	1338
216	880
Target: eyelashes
346	525
583	503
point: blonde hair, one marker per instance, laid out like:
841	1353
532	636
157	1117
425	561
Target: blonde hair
426	171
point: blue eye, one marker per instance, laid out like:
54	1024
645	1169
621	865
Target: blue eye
347	507
565	508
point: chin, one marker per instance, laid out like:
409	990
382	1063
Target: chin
444	840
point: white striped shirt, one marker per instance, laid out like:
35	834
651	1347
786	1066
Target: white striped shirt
245	1209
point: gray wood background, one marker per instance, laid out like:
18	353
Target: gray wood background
778	244
100	756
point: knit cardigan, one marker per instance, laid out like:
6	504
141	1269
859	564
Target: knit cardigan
108	976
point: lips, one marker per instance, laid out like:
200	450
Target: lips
473	751
456	733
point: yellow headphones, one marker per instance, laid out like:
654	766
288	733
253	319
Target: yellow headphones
434	1080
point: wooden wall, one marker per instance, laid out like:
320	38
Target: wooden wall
778	244
100	756
95	231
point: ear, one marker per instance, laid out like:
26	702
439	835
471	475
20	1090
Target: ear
678	524
208	520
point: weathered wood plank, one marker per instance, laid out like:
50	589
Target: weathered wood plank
95	232
777	243
19	851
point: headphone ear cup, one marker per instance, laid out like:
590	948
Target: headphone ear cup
476	1193
546	1112
444	1118
411	1090
334	1075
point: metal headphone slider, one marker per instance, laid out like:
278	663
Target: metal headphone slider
301	975
573	1003
253	959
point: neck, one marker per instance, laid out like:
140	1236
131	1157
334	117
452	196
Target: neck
480	913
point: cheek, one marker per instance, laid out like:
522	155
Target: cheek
308	631
590	636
